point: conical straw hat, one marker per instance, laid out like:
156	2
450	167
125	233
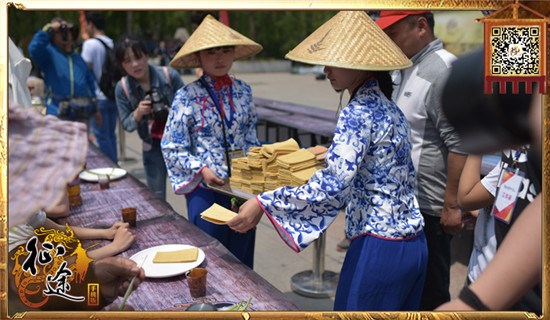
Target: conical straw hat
350	40
211	34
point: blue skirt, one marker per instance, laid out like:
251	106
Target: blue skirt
241	245
382	275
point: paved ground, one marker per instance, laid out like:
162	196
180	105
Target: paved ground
273	259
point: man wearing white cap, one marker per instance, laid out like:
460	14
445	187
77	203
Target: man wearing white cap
436	151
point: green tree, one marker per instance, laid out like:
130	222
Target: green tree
278	31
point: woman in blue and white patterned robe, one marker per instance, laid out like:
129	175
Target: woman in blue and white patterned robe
194	148
211	118
370	173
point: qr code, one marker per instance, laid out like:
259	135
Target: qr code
516	50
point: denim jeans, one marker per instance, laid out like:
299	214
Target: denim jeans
155	169
106	134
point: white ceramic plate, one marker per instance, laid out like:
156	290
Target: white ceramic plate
164	270
91	175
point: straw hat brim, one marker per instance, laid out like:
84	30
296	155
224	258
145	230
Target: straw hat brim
212	34
191	60
44	154
350	40
344	65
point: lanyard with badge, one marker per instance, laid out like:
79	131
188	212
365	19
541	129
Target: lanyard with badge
229	155
508	188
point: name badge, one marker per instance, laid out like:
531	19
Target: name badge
509	185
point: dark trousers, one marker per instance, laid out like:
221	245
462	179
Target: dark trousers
436	286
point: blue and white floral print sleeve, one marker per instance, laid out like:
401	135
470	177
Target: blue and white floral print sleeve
193	137
177	147
369	168
249	126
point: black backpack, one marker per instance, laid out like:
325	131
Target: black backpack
110	72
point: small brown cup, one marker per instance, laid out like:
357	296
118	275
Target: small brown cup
129	215
103	181
196	279
73	190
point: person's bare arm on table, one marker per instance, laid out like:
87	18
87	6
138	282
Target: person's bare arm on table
522	243
250	214
90	233
451	215
122	240
119	232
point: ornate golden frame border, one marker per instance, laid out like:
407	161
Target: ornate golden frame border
253	5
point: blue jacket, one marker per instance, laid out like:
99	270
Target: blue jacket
56	65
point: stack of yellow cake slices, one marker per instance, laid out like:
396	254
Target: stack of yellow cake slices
298	160
239	170
274	165
301	177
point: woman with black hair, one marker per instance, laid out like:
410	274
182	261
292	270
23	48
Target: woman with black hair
143	98
369	171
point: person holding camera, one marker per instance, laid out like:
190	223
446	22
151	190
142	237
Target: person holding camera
143	98
212	120
70	93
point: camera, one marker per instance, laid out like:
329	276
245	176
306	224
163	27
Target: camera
65	28
485	122
158	104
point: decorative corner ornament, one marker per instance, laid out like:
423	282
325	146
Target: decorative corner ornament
515	49
18	6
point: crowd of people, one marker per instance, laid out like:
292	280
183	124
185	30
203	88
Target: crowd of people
398	164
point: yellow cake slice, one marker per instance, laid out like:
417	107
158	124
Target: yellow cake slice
217	214
178	256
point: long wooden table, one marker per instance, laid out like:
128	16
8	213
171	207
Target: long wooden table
298	119
158	224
